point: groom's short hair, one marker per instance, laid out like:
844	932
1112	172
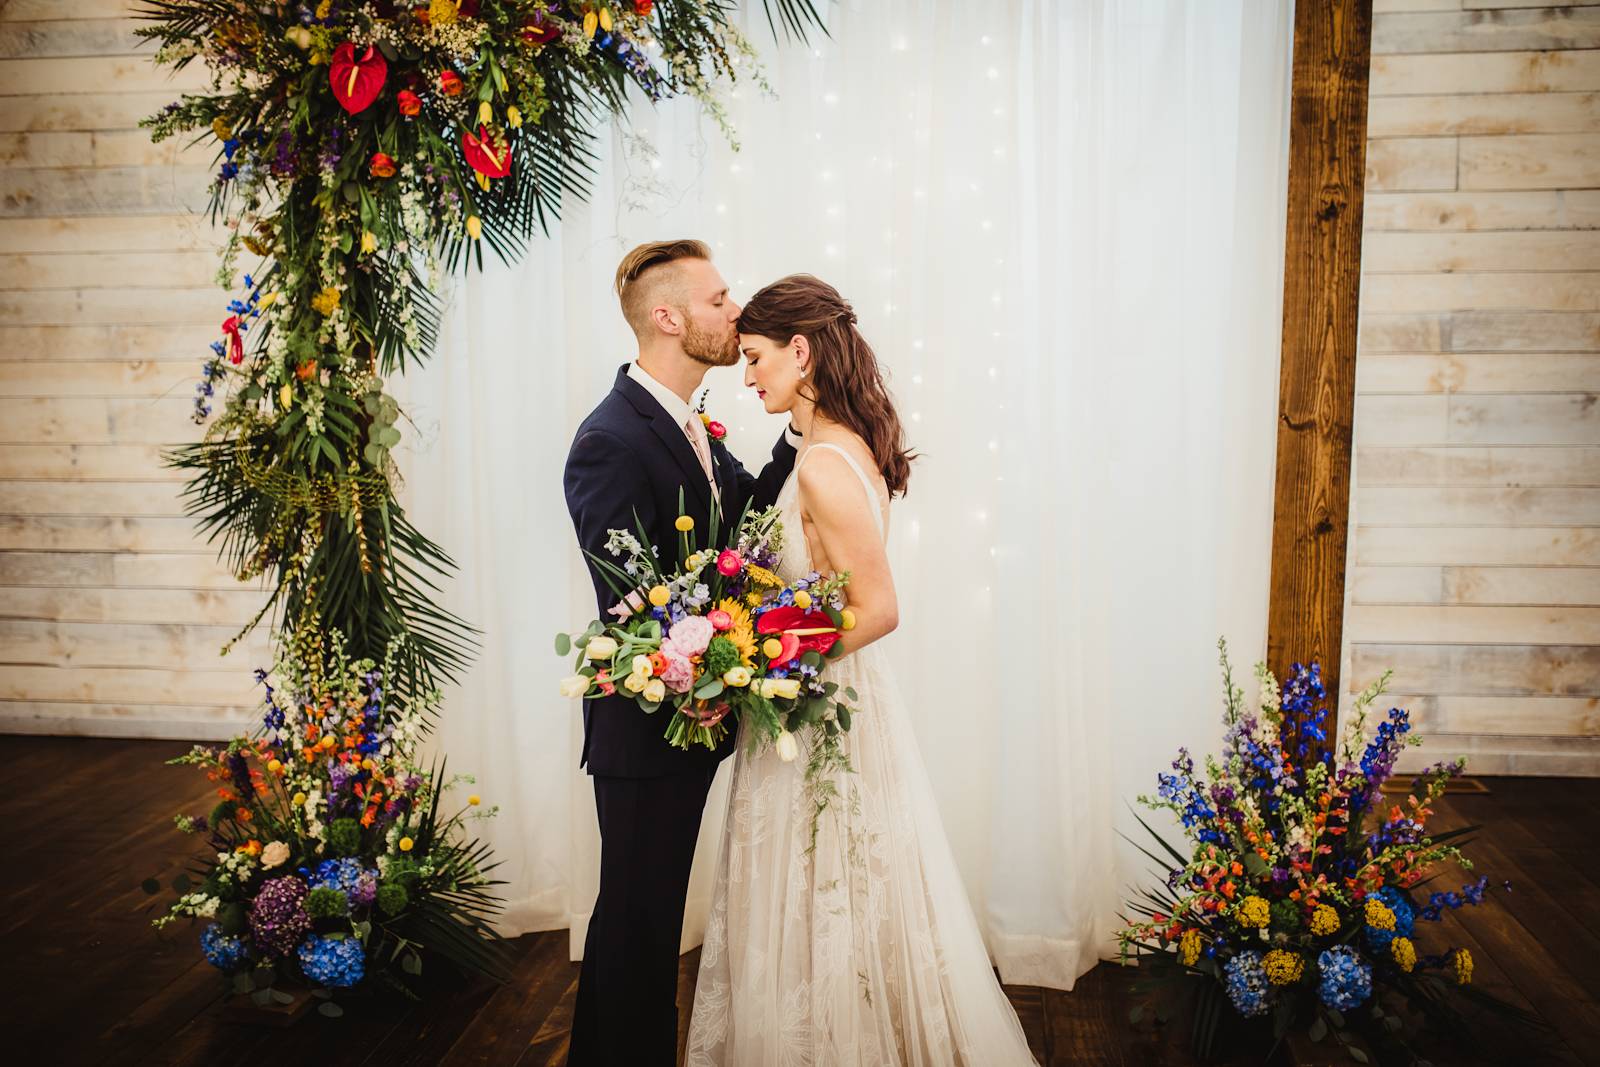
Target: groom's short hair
644	279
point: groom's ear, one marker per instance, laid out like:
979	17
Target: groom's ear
667	319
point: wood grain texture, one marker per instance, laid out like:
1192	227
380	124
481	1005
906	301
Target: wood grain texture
1322	280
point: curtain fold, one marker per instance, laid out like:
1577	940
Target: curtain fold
1061	225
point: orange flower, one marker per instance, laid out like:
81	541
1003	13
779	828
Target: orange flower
1237	868
1227	890
381	165
242	814
306	369
409	102
450	83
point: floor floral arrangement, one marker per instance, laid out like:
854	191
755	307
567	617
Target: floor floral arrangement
1299	899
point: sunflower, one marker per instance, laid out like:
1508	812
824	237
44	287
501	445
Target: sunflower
740	631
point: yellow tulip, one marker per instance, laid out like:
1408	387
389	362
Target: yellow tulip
802	599
590	21
285	396
684	524
513	118
369	242
605	19
474	227
483	180
659	596
485	113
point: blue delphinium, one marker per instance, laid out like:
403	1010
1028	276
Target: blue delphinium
222	951
1404	918
1346	978
332	961
1247	983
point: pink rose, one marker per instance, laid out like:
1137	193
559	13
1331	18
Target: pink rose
691	635
729	564
678	675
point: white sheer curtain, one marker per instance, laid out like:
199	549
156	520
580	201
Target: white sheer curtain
1061	225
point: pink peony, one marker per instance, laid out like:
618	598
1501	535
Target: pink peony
729	564
678	675
691	635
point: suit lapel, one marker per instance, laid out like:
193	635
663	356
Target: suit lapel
672	438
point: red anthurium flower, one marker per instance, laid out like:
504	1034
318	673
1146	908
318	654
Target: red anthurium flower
486	154
450	83
356	82
381	166
408	102
813	630
539	29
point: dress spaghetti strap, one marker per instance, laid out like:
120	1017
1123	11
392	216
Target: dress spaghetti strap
872	490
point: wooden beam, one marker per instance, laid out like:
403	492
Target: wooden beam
1321	287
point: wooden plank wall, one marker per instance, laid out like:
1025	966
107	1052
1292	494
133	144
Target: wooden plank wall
112	612
1475	556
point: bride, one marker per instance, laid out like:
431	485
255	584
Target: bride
843	937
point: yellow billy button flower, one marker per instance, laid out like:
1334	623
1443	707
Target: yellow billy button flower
684	524
474	800
274	765
772	648
847	619
474	227
406	844
802	599
298	799
659	596
485	113
513	118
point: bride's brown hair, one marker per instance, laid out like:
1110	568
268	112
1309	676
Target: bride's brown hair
845	382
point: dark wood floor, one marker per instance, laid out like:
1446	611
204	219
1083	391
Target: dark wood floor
86	980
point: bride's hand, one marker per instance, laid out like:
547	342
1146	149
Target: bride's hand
842	516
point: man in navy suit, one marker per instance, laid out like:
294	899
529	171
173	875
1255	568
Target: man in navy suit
636	452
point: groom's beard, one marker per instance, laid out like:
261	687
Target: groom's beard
710	349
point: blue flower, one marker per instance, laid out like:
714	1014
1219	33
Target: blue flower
1404	918
222	951
1346	978
1247	983
347	875
332	961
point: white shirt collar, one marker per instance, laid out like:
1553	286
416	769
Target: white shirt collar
674	405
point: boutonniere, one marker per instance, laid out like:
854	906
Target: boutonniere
714	429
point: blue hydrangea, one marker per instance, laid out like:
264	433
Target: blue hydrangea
332	961
1346	978
348	876
1404	918
222	951
1247	983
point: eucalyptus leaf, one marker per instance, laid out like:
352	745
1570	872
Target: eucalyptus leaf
1318	1030
330	1009
563	644
151	886
281	997
1357	1055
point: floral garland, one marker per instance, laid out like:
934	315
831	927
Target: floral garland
364	149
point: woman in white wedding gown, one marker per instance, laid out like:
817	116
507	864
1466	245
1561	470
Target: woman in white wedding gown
845	938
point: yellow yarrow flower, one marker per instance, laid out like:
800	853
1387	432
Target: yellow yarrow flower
753	599
1253	912
1283	967
1404	953
1324	921
1379	917
1461	961
326	302
1189	947
762	576
443	12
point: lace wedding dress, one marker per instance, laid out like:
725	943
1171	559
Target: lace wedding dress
862	950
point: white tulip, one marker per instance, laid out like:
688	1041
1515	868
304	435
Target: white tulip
575	686
655	690
600	647
788	747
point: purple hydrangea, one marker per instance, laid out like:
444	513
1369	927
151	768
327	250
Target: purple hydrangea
278	918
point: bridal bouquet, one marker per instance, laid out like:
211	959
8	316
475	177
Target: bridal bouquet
330	855
719	634
1298	892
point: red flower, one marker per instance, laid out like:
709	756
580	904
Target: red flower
409	102
642	7
813	630
539	29
729	563
381	165
716	430
486	154
450	83
356	82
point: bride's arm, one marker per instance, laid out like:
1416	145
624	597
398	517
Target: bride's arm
841	512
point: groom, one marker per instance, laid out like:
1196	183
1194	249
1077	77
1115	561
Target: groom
641	447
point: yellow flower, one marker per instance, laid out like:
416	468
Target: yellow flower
1283	968
772	648
739	631
1324	920
847	619
600	647
659	596
274	765
1379	917
513	118
737	677
655	690
219	126
485	113
1189	947
1461	962
369	242
781	688
684	524
298	799
762	576
326	302
474	800
474	227
285	396
802	599
1253	912
443	12
483	180
299	36
753	599
1404	953
406	844
324	8
270	299
590	21
605	19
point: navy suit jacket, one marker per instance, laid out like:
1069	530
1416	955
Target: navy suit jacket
630	456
